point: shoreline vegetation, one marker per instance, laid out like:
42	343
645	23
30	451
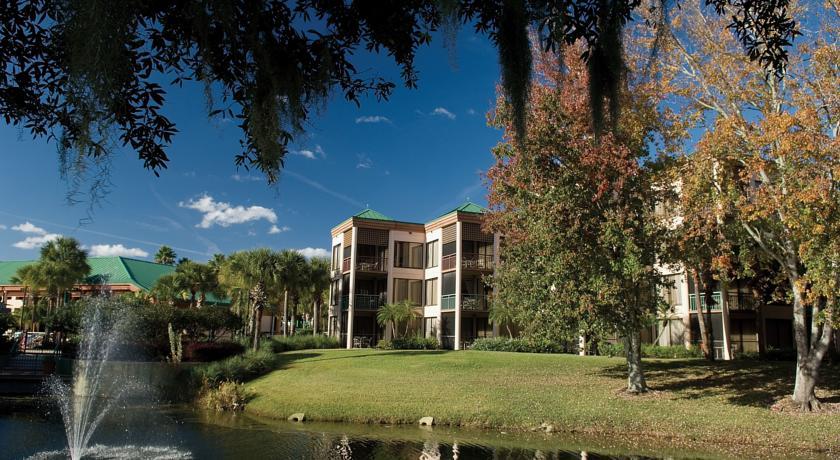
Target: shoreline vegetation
728	408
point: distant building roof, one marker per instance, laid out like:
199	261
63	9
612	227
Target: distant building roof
468	207
372	215
109	270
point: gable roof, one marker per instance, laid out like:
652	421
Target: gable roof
467	207
104	270
372	215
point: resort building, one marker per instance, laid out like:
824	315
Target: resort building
739	323
111	275
439	267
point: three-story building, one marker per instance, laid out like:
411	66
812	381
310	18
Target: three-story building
440	267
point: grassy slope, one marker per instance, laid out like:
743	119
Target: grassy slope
695	402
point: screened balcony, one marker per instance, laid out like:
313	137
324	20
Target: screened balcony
364	302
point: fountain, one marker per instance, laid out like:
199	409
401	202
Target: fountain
92	393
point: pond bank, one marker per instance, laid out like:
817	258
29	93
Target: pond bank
724	406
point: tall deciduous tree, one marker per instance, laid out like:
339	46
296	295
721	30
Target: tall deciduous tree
773	153
577	211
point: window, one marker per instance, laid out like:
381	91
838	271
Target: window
449	283
432	254
672	291
408	255
411	290
432	291
336	257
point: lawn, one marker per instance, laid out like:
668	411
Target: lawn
724	406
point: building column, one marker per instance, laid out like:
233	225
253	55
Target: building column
685	314
458	256
351	297
496	259
724	319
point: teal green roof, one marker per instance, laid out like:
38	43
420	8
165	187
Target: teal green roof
109	270
105	270
468	207
372	215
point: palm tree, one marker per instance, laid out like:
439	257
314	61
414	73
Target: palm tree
252	272
31	277
64	264
290	276
501	313
317	285
199	280
167	289
166	256
394	314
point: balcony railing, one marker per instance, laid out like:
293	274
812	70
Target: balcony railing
477	261
364	302
335	273
448	262
469	302
371	264
692	302
740	301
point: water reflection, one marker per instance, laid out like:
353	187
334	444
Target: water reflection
183	434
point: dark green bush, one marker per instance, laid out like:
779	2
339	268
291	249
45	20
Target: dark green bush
302	342
518	345
303	331
670	352
211	351
239	368
651	351
409	343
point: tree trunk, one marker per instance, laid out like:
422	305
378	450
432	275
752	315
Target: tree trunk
258	320
510	334
635	377
315	314
809	353
285	312
705	344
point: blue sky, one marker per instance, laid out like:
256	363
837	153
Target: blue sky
411	158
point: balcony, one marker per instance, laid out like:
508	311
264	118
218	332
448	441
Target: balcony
345	265
477	261
692	302
335	273
469	302
371	264
740	301
448	262
364	302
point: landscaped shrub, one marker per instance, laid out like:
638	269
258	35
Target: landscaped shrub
211	351
302	342
651	351
239	368
303	331
610	349
228	396
670	352
518	345
409	343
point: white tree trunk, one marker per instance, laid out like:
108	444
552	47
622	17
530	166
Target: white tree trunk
809	354
635	377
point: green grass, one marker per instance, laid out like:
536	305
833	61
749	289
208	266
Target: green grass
721	405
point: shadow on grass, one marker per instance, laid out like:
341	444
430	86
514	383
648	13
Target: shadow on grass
371	354
740	382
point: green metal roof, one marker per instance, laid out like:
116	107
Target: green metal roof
468	207
105	270
372	215
110	270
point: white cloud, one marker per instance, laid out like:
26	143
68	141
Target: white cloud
110	250
275	229
364	162
3	227
314	154
225	215
313	252
373	119
441	111
32	242
246	178
28	227
320	187
470	111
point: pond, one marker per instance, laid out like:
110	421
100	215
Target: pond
36	432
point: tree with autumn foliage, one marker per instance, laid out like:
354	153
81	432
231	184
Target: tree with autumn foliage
770	156
582	239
